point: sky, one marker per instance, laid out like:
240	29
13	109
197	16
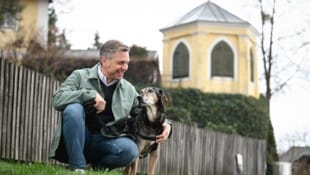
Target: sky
139	22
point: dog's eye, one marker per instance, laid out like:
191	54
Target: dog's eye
150	91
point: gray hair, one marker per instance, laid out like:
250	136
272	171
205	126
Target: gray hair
109	48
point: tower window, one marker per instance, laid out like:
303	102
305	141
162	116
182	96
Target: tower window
222	61
251	66
180	64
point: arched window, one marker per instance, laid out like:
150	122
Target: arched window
251	66
180	63
222	60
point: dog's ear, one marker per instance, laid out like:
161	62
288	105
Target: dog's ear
162	96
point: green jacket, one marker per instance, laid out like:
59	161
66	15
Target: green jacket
80	87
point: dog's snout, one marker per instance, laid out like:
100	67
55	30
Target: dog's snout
140	98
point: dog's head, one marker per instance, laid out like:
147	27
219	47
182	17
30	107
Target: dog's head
154	101
154	96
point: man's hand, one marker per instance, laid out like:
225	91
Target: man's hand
165	134
99	103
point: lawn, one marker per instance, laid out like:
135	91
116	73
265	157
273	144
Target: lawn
21	168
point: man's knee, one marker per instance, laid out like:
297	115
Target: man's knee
131	153
74	111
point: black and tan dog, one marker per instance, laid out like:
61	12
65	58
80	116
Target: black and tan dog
149	124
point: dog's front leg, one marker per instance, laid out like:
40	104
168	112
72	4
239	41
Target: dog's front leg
153	161
127	170
134	167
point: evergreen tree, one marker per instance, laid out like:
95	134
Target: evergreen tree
55	39
97	43
138	52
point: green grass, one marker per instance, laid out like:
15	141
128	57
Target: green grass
21	168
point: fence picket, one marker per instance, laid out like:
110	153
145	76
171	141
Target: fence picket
2	107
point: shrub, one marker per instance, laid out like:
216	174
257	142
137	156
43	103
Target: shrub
221	112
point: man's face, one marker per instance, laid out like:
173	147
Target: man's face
115	68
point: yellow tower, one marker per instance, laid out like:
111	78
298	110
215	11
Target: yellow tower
210	49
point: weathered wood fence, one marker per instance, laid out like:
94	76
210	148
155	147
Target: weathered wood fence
27	121
26	115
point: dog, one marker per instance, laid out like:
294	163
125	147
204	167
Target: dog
149	124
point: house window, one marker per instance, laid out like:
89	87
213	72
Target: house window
9	21
222	60
251	66
10	11
180	63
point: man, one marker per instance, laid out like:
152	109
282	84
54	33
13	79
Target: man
79	138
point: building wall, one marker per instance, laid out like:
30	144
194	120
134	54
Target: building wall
200	38
42	22
33	23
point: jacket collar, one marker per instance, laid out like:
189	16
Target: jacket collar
93	74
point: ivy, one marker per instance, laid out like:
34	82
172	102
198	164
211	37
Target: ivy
220	112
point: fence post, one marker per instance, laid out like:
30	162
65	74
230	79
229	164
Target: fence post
282	168
239	164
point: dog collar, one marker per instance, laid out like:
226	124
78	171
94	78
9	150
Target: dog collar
152	138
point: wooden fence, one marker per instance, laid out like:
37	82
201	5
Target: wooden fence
26	115
27	122
196	151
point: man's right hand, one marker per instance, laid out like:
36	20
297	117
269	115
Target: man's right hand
99	103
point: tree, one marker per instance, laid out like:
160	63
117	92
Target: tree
97	43
138	52
273	49
271	54
40	59
300	137
267	26
55	39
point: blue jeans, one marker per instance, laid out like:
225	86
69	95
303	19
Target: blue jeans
83	146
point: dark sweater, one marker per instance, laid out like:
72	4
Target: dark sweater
95	121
